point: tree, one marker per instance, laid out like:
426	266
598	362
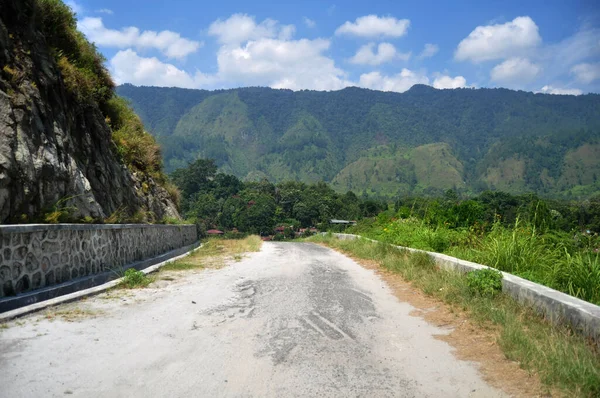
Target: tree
259	217
197	177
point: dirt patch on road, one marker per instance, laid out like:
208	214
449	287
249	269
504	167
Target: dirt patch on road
471	342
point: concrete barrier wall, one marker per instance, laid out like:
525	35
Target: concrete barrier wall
41	255
558	307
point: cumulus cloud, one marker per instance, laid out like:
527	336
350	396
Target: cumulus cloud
253	54
105	11
374	26
586	73
169	43
429	51
444	81
240	28
399	82
128	67
265	54
499	41
560	91
386	52
515	71
309	22
293	64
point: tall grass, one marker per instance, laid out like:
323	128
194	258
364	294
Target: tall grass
566	262
563	360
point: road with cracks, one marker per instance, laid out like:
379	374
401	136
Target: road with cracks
293	320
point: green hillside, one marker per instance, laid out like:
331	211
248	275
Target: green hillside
423	141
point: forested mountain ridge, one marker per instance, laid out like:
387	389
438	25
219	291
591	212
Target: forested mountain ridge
421	141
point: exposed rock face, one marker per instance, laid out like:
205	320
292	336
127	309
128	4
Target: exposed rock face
51	146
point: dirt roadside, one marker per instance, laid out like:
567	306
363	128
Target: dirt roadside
470	341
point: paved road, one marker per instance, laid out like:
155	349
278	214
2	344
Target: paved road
295	319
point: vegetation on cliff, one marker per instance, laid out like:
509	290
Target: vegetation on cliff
65	135
87	80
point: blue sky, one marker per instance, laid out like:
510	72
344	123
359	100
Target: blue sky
541	46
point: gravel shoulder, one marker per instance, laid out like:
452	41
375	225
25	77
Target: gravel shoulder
295	319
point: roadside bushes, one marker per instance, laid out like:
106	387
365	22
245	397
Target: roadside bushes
569	262
485	282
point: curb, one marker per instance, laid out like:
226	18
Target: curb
67	298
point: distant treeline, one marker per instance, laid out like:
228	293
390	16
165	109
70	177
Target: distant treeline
217	200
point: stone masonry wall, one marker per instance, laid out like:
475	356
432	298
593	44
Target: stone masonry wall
36	256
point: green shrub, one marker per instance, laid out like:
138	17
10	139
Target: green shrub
485	282
81	64
137	148
60	212
279	237
134	279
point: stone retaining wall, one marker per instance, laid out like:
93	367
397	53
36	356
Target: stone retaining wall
40	255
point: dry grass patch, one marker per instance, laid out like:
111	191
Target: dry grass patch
70	314
215	253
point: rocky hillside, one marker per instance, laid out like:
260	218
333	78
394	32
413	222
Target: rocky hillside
423	141
70	150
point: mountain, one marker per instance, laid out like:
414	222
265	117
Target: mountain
423	141
70	149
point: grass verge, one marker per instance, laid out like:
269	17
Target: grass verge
215	252
564	361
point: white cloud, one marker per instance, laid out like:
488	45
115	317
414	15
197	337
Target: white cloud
386	52
515	71
169	43
399	82
444	81
309	22
499	41
586	73
574	49
287	32
562	91
254	55
374	26
429	51
128	67
241	27
266	55
105	11
293	64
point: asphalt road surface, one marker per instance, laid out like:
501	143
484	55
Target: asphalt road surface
295	320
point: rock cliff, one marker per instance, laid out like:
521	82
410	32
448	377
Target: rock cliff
55	149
